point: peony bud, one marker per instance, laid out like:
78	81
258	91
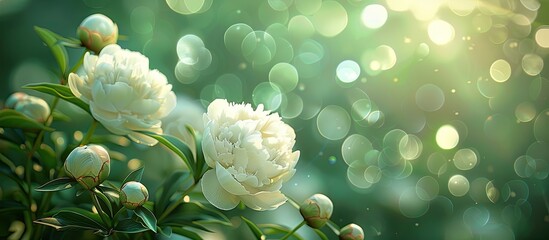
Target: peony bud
316	210
89	165
14	98
97	31
133	194
351	232
32	107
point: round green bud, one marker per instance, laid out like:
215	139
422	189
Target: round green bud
33	107
90	165
351	232
97	31
316	210
133	194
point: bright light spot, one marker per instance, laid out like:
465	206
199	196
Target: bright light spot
458	185
374	16
500	70
441	32
348	71
447	137
462	7
542	37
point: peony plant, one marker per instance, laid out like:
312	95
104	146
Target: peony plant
123	93
238	155
250	153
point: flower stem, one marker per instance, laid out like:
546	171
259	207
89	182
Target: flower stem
293	230
29	217
99	208
333	226
293	202
174	205
89	134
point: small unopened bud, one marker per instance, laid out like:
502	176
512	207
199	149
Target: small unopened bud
351	232
133	194
14	98
97	31
33	107
316	210
90	165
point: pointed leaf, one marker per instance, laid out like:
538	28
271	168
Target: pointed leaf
147	216
196	212
178	147
64	220
10	118
255	230
60	91
166	231
134	176
130	226
186	233
104	201
51	40
57	185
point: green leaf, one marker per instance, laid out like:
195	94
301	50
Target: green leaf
177	181
10	118
196	212
255	229
64	220
178	147
60	91
59	116
166	231
52	40
320	234
147	216
57	185
9	205
186	233
134	176
106	202
130	226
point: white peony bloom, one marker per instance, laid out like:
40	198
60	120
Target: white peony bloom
123	93
251	156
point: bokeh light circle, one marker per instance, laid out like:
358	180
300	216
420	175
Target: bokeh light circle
458	185
465	159
354	148
348	71
500	70
374	16
441	32
430	98
447	137
333	122
284	75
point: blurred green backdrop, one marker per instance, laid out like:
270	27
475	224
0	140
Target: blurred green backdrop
419	119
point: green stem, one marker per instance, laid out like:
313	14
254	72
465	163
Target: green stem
79	63
293	202
89	134
333	226
99	208
174	205
29	217
293	230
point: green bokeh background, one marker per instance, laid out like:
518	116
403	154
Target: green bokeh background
482	110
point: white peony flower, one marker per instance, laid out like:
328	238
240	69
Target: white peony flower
123	93
251	156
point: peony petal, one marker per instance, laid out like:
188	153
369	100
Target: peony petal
144	106
228	182
208	148
264	200
216	108
215	194
79	88
168	105
100	98
120	94
142	139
